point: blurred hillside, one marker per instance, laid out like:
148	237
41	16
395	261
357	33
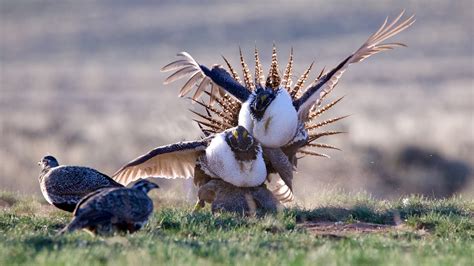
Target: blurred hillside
80	80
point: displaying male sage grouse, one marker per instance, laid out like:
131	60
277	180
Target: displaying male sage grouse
108	210
277	114
232	155
64	186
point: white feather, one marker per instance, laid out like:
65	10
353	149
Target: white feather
301	134
279	189
245	118
180	74
178	64
45	193
278	124
222	163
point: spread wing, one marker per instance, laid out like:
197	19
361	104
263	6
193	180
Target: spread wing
372	46
201	78
172	161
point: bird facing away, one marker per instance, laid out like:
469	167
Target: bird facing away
277	114
108	210
225	197
232	155
64	186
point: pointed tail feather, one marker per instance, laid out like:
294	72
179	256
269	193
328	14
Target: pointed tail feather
371	46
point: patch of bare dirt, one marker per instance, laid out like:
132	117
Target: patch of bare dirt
340	230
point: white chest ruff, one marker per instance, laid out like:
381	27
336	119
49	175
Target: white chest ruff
44	191
278	124
221	162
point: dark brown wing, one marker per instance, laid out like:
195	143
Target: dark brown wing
89	196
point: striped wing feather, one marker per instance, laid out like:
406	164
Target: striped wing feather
280	189
372	46
172	161
186	66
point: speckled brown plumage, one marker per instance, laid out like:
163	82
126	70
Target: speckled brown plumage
243	200
64	186
109	210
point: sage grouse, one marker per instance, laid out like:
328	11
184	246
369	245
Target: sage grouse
224	197
113	209
277	114
64	186
232	155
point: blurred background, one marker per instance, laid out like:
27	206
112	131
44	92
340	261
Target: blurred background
80	80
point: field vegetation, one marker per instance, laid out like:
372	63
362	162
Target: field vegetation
345	229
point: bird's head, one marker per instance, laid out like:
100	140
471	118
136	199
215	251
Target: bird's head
261	100
239	139
145	185
48	161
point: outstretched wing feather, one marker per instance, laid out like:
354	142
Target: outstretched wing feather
201	77
176	65
188	86
370	47
183	72
172	161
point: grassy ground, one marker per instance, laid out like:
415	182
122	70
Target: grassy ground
347	230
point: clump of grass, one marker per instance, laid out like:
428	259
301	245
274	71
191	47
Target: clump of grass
19	203
448	226
7	199
364	208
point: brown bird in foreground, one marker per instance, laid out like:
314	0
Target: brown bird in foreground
113	209
64	186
